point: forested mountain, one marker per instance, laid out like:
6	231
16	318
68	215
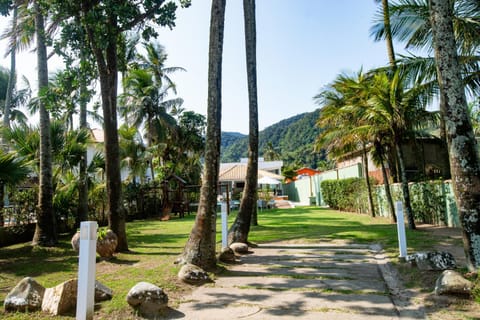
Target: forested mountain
292	139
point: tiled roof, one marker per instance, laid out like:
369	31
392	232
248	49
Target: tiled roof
238	172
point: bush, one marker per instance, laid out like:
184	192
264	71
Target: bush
346	194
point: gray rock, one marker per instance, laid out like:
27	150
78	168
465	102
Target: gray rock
102	292
452	282
26	296
226	255
147	299
239	247
432	260
193	274
62	299
76	242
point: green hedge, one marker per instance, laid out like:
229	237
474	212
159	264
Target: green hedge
346	194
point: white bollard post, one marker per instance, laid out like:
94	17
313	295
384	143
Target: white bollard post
224	225
402	239
86	270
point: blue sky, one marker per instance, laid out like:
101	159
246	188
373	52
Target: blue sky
301	46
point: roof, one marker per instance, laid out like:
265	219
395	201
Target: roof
238	172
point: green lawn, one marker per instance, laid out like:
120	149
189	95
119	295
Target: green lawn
156	244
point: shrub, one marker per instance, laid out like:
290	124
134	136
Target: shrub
346	194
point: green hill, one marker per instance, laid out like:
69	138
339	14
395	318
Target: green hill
291	138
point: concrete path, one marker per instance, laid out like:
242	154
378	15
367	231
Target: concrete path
295	281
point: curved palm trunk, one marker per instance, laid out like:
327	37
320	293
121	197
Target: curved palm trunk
200	247
406	192
106	59
371	206
248	207
388	33
45	230
464	161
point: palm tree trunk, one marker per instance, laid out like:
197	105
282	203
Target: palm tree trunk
200	247
382	157
248	207
388	194
371	206
388	34
12	78
405	190
464	161
45	230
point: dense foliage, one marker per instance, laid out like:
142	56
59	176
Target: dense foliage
346	194
292	139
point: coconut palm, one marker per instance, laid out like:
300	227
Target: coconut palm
200	247
132	153
247	213
464	161
341	118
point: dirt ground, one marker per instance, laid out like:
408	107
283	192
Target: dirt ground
442	307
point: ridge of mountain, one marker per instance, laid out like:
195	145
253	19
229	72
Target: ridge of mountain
292	139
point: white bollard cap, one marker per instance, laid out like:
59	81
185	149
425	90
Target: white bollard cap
88	230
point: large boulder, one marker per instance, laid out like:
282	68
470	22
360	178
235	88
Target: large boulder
452	282
62	299
147	299
239	247
106	244
26	296
434	260
192	274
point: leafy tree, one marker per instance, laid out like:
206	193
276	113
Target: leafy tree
200	247
464	161
104	23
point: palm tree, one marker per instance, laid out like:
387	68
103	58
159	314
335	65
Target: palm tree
132	153
145	104
402	109
13	170
341	119
45	230
200	247
464	161
247	213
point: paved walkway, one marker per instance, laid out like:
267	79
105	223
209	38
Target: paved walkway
295	281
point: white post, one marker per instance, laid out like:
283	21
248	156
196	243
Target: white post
224	225
86	270
402	239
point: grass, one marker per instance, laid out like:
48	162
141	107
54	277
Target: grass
155	245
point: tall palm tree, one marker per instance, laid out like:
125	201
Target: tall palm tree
464	160
132	153
247	213
200	247
402	109
45	230
344	104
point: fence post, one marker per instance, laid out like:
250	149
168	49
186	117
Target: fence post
402	239
86	270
